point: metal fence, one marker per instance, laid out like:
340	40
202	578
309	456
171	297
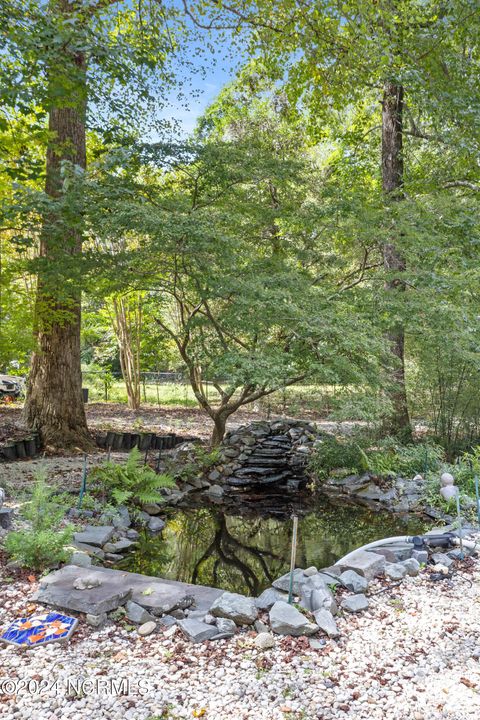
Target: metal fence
173	388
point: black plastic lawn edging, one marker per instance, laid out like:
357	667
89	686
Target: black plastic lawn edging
125	441
19	449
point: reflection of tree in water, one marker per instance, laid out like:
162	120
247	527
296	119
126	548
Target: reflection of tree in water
226	550
244	553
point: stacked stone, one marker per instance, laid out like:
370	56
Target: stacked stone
266	454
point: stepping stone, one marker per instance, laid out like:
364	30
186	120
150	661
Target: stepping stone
39	629
197	631
368	564
96	535
58	589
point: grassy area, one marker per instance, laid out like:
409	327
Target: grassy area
291	401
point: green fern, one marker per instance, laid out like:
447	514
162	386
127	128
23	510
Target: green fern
132	483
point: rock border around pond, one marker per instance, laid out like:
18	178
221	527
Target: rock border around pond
201	613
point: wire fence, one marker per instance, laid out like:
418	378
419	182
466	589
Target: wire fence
173	388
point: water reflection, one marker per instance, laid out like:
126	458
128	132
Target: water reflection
245	552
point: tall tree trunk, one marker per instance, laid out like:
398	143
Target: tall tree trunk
127	325
392	179
54	404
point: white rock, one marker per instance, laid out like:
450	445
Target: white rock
446	479
264	641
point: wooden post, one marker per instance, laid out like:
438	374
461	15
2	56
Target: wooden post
293	556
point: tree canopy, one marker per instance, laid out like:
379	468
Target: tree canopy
339	165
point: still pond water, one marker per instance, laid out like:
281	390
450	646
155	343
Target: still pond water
244	548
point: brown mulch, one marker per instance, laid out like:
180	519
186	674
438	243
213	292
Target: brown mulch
117	416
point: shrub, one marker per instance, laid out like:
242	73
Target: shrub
391	458
387	457
43	545
131	483
334	453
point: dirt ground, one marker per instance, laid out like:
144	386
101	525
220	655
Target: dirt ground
66	470
116	416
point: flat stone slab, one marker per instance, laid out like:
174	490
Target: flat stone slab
116	587
58	589
368	564
96	535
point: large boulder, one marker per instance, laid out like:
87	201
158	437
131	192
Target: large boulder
287	620
239	608
368	564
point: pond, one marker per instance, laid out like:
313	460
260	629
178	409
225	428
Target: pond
244	548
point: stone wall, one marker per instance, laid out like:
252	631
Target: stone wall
266	454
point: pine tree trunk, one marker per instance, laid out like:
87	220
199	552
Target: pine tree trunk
54	404
392	180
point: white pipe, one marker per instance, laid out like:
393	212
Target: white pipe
376	543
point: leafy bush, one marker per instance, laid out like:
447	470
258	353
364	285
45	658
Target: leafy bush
43	545
390	458
386	458
333	453
132	483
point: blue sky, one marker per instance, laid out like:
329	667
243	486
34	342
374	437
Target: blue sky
213	62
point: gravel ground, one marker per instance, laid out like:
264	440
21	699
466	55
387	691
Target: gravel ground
413	656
